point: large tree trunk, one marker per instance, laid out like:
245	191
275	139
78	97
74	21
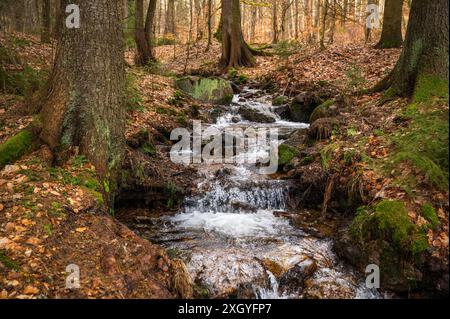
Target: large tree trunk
169	28
424	59
149	21
391	35
143	54
235	51
46	23
83	109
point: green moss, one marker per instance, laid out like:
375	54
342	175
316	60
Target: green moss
429	87
389	221
306	160
430	215
424	144
279	100
285	154
148	149
15	147
98	196
321	110
8	262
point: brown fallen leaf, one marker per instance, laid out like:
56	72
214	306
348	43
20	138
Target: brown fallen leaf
30	290
81	229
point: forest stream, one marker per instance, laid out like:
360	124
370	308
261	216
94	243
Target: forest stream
234	239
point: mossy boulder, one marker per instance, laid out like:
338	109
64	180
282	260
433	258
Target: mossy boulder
279	100
212	90
303	105
383	234
326	109
286	154
15	147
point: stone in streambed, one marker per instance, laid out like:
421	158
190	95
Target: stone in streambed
254	115
294	278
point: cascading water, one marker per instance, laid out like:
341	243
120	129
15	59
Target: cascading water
232	242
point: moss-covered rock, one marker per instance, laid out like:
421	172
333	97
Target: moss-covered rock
207	90
325	109
303	105
279	100
15	147
383	234
286	154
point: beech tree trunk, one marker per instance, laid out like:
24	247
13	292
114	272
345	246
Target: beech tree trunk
391	34
235	52
425	51
209	23
83	108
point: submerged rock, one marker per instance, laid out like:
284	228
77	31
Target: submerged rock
207	90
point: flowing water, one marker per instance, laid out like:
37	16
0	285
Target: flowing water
231	239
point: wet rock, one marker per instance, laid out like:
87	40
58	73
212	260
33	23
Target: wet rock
282	111
241	206
223	271
303	105
279	100
294	279
212	90
254	115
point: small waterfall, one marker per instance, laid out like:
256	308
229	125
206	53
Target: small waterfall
221	199
228	230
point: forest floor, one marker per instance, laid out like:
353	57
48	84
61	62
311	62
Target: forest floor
51	218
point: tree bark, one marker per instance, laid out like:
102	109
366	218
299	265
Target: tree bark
82	109
149	22
391	34
46	23
323	24
169	28
209	25
143	54
425	52
274	22
235	52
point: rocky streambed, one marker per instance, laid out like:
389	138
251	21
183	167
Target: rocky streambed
235	234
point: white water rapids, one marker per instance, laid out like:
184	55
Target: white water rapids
228	233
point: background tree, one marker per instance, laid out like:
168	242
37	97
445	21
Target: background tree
169	28
46	22
391	34
235	52
424	59
83	107
143	53
149	28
